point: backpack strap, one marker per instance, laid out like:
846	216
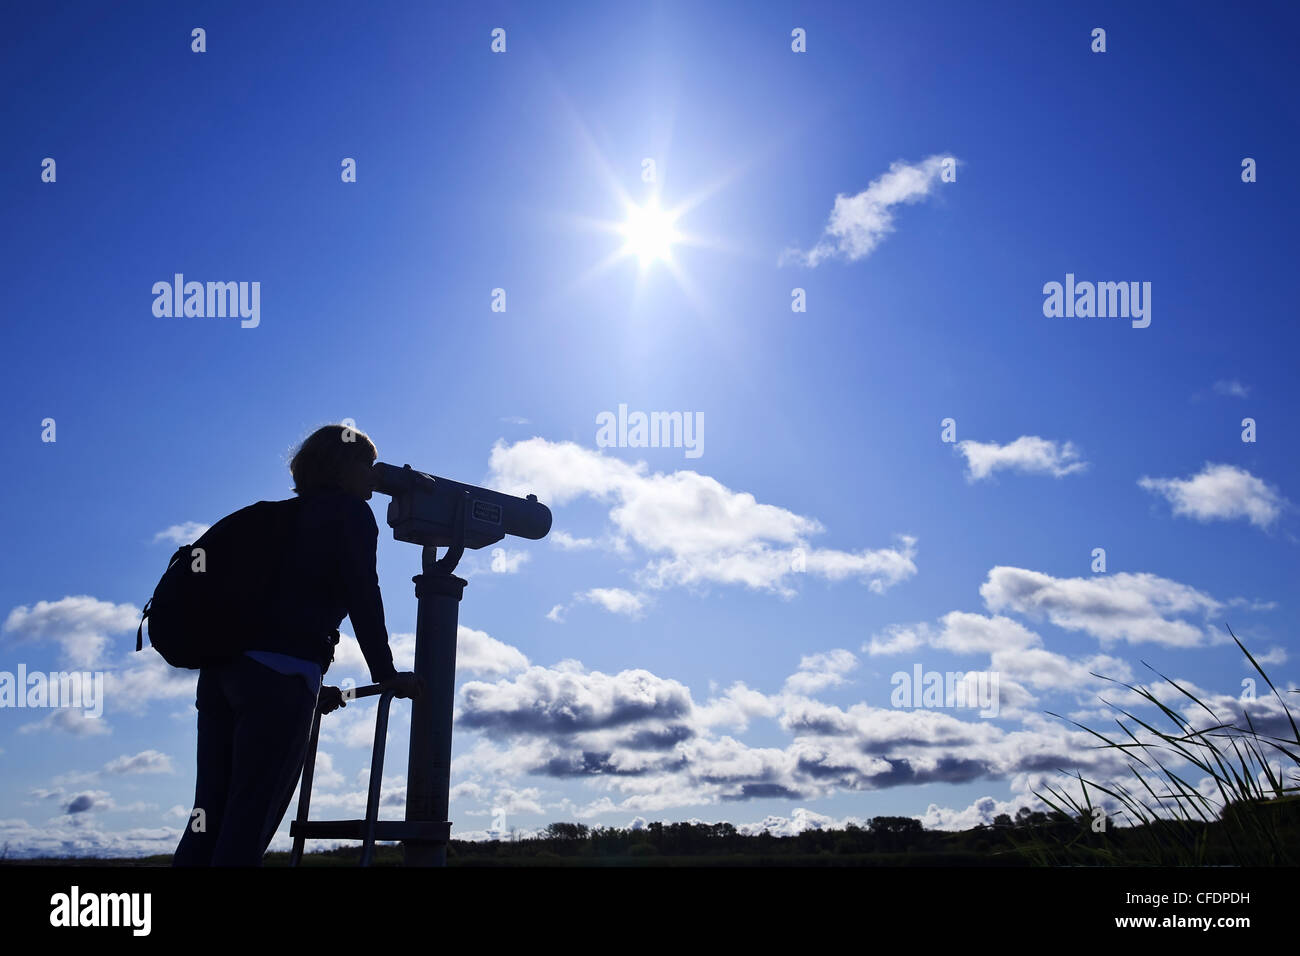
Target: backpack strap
139	631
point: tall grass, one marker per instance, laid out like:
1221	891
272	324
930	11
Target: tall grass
1251	820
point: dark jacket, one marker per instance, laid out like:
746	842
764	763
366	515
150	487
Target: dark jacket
329	573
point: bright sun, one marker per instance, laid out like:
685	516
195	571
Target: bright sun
649	232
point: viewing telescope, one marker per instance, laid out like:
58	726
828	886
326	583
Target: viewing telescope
424	510
435	513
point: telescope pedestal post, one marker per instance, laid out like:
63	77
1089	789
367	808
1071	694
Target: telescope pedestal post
428	774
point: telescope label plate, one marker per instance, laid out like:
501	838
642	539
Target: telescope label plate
487	511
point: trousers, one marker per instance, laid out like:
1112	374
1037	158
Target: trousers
254	725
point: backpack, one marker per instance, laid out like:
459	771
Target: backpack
200	612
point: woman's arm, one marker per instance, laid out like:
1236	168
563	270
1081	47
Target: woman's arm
361	587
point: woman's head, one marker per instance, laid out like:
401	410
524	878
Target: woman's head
334	457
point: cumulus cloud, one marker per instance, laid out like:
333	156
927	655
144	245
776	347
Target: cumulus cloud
614	600
1130	607
897	639
562	539
470	789
645	737
352	803
819	671
1220	492
736	708
551	701
1016	656
69	720
800	820
478	652
325	776
87	801
78	835
859	223
79	625
965	633
146	677
646	745
980	813
522	800
146	761
695	530
1028	454
1274	655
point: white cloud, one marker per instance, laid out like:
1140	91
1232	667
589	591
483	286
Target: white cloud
549	701
556	614
147	677
819	671
79	625
1131	607
350	662
696	530
643	736
185	533
1220	492
524	800
70	720
964	633
982	811
736	708
469	789
643	741
1028	453
1017	659
562	539
800	820
325	776
1274	655
897	639
78	835
615	600
146	761
1232	388
859	223
478	652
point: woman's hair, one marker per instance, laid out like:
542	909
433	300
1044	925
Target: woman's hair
321	460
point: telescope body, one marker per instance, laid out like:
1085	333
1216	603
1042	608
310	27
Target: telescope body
423	510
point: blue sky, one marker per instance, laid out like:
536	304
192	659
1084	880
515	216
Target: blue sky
709	678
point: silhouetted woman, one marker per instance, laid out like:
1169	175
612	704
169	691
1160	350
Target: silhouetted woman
255	711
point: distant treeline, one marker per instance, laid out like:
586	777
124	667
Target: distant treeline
882	834
1031	838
